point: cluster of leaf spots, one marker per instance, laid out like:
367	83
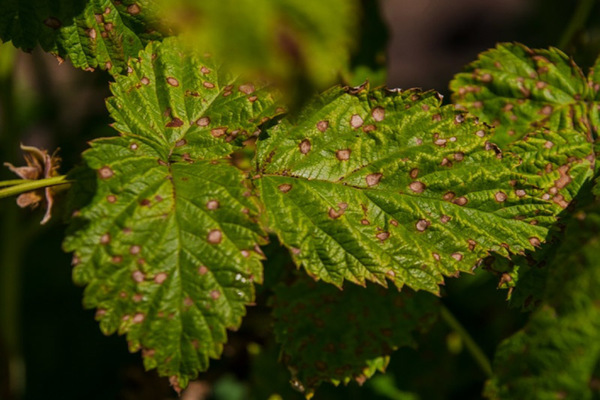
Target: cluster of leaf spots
91	33
387	185
284	39
520	90
557	354
328	335
168	245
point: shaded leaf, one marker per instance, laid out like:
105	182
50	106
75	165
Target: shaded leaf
168	244
376	185
285	39
91	33
520	90
328	335
555	355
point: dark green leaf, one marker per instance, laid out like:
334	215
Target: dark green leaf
168	245
328	335
376	185
557	352
91	33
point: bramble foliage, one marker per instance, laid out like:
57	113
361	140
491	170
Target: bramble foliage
361	185
90	33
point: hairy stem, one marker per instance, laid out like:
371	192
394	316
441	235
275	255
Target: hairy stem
476	352
28	186
576	23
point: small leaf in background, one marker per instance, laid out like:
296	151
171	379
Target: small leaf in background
520	90
168	245
91	33
384	185
291	41
328	335
556	355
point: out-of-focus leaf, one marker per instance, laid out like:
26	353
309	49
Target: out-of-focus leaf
376	185
556	354
519	90
91	33
167	246
328	335
284	39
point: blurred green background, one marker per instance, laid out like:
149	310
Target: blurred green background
51	348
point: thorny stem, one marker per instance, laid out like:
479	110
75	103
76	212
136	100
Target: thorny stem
576	23
476	352
28	186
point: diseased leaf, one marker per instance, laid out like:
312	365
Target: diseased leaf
328	335
285	39
555	355
376	185
91	33
519	90
168	245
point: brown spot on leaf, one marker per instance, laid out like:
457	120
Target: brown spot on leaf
202	270
285	187
247	88
448	196
111	198
172	81
208	85
343	155
422	225
204	121
304	146
461	201
105	172
138	276
218	132
215	294
546	110
373	179
382	236
138	318
133	9
105	239
160	277
322	126
214	236
174	123
457	256
417	187
500	197
335	214
535	242
564	178
135	249
364	222
445	219
53	23
378	114
212	204
180	143
356	121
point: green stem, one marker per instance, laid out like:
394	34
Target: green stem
28	186
13	182
577	22
473	348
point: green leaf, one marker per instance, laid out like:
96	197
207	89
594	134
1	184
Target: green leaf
328	335
286	39
167	246
376	185
91	33
555	355
520	90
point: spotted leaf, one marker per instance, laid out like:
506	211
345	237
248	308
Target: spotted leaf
379	185
520	90
328	335
167	246
557	353
91	33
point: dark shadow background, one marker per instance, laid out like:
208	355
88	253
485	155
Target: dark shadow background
55	349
